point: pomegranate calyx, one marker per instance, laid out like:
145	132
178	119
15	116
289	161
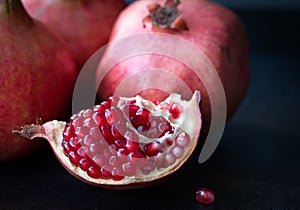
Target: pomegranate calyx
166	16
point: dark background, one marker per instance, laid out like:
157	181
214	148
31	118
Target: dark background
255	165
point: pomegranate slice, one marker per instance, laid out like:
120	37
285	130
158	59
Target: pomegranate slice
105	146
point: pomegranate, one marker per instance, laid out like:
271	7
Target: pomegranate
84	24
213	29
37	76
124	142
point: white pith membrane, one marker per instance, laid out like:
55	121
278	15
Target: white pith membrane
189	122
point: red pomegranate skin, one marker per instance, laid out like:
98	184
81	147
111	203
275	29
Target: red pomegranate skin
84	24
214	29
37	76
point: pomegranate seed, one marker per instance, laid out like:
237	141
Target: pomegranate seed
131	109
74	158
143	116
109	117
177	151
182	140
88	113
132	146
129	168
82	151
152	148
82	131
100	160
165	127
135	155
130	135
135	122
85	163
120	144
175	110
114	100
89	140
116	174
99	119
106	104
116	132
170	159
106	172
75	143
205	196
147	166
94	172
69	132
96	149
106	132
66	146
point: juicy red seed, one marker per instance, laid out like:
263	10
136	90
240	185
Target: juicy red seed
143	116
75	143
147	165
106	132
82	131
204	195
120	143
132	102
136	155
109	117
106	172
114	100
69	132
67	148
96	149
99	119
82	151
165	127
129	169
152	148
130	135
131	109
74	158
135	122
117	175
94	172
85	163
100	160
132	146
106	104
183	139
89	140
177	151
116	132
122	153
169	159
117	114
88	113
175	110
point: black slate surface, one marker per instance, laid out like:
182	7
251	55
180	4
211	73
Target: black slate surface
255	165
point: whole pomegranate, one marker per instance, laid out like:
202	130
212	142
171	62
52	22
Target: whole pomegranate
84	24
213	29
37	76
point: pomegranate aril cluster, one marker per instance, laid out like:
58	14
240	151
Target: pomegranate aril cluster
111	141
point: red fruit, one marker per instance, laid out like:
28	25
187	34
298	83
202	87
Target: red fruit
155	24
101	158
204	195
37	76
84	24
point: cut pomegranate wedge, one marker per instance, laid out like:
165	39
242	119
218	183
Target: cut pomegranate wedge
124	142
